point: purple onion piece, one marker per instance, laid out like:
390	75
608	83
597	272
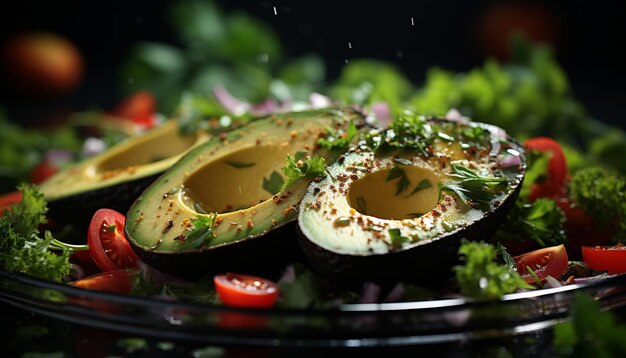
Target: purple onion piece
318	100
370	293
382	112
396	294
266	107
228	101
552	282
509	161
289	275
59	157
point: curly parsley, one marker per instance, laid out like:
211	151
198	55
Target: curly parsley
299	167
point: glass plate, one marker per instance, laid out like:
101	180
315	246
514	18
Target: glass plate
362	325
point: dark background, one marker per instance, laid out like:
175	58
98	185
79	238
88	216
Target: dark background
588	37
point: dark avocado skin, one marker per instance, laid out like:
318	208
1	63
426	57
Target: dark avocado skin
265	256
428	264
78	209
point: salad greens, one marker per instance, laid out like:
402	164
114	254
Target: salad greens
482	277
541	221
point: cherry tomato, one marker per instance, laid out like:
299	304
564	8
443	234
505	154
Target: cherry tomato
42	171
549	261
42	64
580	229
139	107
237	290
8	199
117	281
554	183
605	258
107	242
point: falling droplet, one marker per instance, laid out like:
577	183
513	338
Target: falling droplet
399	54
346	60
275	12
349	44
412	21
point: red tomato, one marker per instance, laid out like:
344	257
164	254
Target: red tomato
605	258
117	281
108	245
237	290
554	184
8	199
549	261
42	171
580	229
139	107
42	64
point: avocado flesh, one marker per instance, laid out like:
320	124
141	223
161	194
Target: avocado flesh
347	220
228	177
115	177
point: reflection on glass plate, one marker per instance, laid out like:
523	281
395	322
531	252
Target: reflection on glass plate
387	324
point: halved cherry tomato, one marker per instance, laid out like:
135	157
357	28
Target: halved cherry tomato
554	183
549	261
8	199
139	107
605	258
107	242
117	281
237	290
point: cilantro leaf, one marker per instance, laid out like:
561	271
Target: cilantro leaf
339	140
296	169
395	173
481	277
541	221
202	231
422	185
396	238
473	189
274	183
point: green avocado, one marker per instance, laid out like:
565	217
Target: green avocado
115	178
212	211
397	205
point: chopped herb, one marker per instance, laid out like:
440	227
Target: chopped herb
541	221
534	275
362	204
507	258
308	168
111	228
395	173
402	161
198	208
424	184
239	165
473	189
201	233
341	221
396	238
414	215
481	277
408	131
274	183
133	344
536	170
340	140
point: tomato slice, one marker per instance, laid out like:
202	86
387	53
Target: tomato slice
108	245
554	183
549	261
605	258
237	290
117	281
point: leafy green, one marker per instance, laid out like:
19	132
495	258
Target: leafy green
22	249
274	183
473	189
601	194
201	233
422	185
396	238
541	221
408	131
536	170
398	173
481	277
340	140
296	169
591	332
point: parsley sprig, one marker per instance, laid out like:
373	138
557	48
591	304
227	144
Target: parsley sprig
340	140
202	231
299	167
473	189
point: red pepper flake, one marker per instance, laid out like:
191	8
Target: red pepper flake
219	220
232	223
223	136
293	134
180	237
250	224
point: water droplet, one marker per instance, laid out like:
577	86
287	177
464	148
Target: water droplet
349	44
346	60
412	21
275	11
399	54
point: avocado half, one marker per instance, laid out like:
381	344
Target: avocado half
383	216
233	184
116	177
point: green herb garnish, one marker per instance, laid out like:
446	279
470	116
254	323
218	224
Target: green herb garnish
424	184
274	183
473	189
239	165
541	221
395	173
396	238
201	233
481	277
297	169
339	140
